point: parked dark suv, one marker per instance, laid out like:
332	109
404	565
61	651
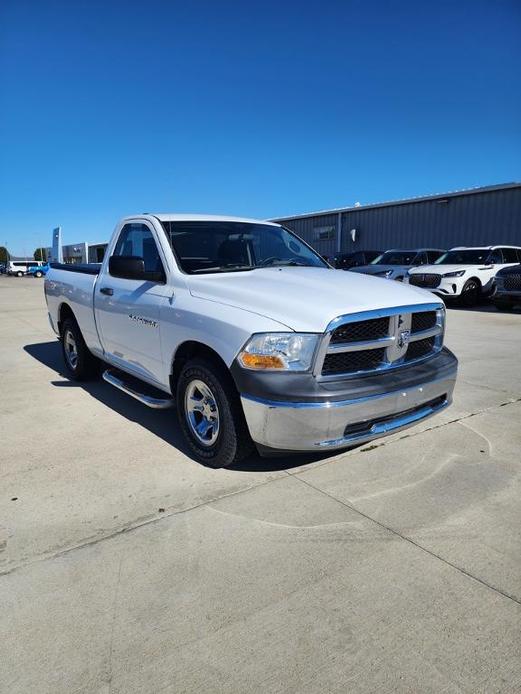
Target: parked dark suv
508	287
345	261
394	264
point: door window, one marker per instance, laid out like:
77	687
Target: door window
420	259
433	256
510	255
137	240
496	257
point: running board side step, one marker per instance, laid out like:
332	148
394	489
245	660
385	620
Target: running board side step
148	400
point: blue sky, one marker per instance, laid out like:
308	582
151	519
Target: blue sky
259	109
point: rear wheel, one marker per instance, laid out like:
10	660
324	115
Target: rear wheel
19	274
80	363
210	414
471	293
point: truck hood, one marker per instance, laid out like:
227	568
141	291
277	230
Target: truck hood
305	299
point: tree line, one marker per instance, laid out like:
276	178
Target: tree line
39	254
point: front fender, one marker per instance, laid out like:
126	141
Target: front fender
224	329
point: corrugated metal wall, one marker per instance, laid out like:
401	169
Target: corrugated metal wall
465	220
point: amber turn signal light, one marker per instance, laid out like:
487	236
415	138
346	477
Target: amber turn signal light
261	361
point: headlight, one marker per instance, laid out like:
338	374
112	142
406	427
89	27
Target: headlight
459	273
279	351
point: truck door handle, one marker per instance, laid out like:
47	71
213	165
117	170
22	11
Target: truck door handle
106	290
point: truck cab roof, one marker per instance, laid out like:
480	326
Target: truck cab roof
177	217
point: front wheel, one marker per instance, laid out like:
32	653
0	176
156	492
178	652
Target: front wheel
471	293
81	364
210	414
38	274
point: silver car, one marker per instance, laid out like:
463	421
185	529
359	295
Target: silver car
394	264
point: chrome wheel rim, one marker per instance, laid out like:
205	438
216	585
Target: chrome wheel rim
202	413
71	349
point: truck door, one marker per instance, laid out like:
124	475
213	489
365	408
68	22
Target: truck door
128	310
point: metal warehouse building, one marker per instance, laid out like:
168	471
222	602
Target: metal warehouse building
477	216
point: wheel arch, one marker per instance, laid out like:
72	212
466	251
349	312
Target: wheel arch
64	311
475	279
192	349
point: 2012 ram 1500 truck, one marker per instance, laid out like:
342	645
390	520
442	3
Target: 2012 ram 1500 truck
252	335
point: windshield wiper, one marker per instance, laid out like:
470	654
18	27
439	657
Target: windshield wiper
286	263
224	268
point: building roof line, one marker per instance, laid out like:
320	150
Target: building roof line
403	201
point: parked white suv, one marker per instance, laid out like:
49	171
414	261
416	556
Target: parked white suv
465	273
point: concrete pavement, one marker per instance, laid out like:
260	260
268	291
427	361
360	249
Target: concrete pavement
125	566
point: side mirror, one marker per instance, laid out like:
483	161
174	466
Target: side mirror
129	267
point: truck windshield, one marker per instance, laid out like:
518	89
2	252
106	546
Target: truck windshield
208	247
471	256
395	258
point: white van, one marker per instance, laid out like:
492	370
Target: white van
21	267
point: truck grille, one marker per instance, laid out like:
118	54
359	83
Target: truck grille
419	349
363	330
421	279
380	342
346	362
423	321
512	282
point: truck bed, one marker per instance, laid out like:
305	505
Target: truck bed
74	286
84	268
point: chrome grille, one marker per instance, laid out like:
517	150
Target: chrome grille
421	279
423	320
419	349
362	330
353	361
371	341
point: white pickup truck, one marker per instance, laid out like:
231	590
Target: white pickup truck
252	336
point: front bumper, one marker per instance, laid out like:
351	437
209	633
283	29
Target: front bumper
316	426
448	286
508	294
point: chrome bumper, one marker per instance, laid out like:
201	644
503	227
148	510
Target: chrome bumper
312	426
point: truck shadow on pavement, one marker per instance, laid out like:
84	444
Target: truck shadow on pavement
161	423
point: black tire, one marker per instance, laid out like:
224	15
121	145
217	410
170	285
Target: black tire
491	292
232	442
85	365
503	305
471	293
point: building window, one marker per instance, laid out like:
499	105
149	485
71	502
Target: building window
323	233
